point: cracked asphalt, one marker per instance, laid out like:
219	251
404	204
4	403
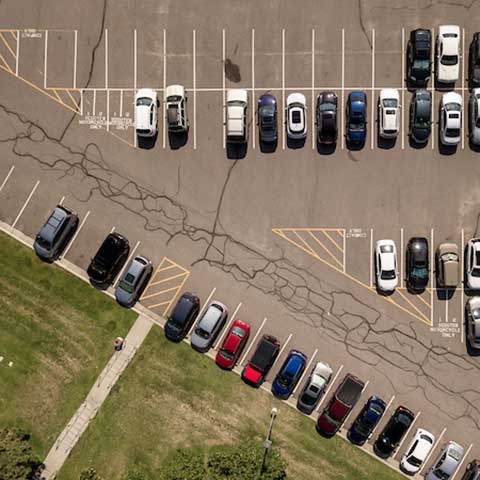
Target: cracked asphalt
215	216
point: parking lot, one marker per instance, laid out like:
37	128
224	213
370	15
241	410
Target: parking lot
284	239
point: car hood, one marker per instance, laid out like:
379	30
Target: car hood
408	467
356	135
41	251
251	374
122	296
199	341
421	133
387	285
448	73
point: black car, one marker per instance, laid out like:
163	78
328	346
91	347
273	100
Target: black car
417	263
472	471
474	61
366	420
108	261
393	432
182	317
327	118
419	55
267	118
421	117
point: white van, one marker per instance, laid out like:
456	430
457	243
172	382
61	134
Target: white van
236	128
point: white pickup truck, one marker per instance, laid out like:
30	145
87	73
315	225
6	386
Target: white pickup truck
236	128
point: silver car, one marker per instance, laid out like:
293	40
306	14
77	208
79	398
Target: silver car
208	326
447	462
133	281
474	117
314	388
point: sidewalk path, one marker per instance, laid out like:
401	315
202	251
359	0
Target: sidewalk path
97	395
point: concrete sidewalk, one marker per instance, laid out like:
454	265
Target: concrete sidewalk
97	395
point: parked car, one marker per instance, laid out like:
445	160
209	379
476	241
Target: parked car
386	265
474	61
182	317
289	374
472	471
57	231
472	312
267	118
208	326
146	104
237	125
296	116
419	54
448	46
447	265
451	119
389	113
314	387
176	109
262	360
474	117
133	281
472	264
393	432
340	405
447	462
417	452
367	420
417	263
109	260
233	345
356	119
327	118
420	116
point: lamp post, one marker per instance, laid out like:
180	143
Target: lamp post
268	443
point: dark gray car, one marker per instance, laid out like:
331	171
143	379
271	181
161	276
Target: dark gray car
420	117
133	281
208	326
55	234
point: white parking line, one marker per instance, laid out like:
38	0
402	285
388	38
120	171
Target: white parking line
94	101
106	58
344	251
45	61
372	133
61	200
112	230
327	391
25	204
432	89
164	85
389	404
201	311
194	40
108	110
406	434
134	61
12	168
132	253
227	326
402	273
446	304
121	106
342	108
403	90
223	88
284	346
313	89
462	289
253	341
463	90
283	88
461	463
371	258
75	235
350	412
435	445
307	370
431	276
386	410
253	88
18	53
75	51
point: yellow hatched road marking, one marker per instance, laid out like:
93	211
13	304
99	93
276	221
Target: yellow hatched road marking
160	304
326	249
8	46
177	292
14	34
73	100
333	241
168	279
427	320
159	293
58	96
8	69
424	301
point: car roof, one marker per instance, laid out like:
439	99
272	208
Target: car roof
210	317
56	218
175	90
294	362
137	266
423	446
296	98
454	454
389	93
421	34
451	97
267	99
237	94
146	92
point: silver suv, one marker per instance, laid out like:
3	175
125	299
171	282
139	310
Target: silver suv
133	281
176	108
208	326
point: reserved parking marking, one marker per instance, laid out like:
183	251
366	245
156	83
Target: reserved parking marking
75	235
12	168
227	326
327	391
201	311
253	342
461	463
307	370
25	204
435	445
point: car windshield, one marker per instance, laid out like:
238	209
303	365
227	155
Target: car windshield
440	474
449	60
390	103
421	64
419	272
477	122
128	287
201	332
363	427
475	272
308	399
174	98
388	274
227	354
144	101
454	106
423	122
42	242
414	461
452	132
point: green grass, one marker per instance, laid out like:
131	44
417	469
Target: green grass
58	332
171	396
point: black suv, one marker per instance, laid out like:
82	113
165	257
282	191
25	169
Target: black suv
474	61
327	118
182	317
55	234
419	54
420	117
472	471
393	432
108	261
417	263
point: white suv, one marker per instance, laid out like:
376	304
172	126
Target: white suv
448	45
389	113
236	128
451	119
146	104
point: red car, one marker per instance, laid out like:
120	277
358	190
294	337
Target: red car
233	344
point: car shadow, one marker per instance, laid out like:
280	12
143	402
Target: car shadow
295	143
236	151
446	150
354	147
177	140
268	147
385	143
147	143
412	291
326	149
413	144
444	294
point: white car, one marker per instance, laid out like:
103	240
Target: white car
417	452
451	119
472	263
176	108
474	120
296	116
237	126
448	45
389	113
146	105
447	463
386	265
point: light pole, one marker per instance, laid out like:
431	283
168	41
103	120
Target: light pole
268	443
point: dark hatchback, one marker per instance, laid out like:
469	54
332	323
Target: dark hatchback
108	261
419	55
356	118
417	263
393	432
182	317
327	130
366	420
421	117
267	118
474	61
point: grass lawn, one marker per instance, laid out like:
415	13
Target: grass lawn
58	332
171	396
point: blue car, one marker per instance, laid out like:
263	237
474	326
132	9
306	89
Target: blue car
356	119
366	421
289	375
267	118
